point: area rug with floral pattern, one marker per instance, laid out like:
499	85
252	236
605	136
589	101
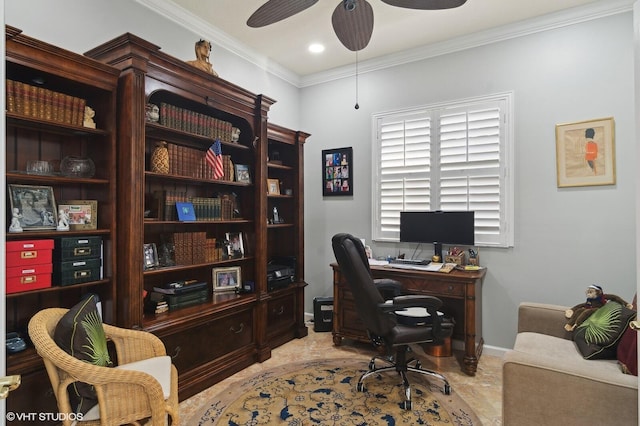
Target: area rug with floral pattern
323	392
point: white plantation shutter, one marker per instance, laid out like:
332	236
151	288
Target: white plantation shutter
449	157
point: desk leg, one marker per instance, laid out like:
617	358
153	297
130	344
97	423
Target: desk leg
472	355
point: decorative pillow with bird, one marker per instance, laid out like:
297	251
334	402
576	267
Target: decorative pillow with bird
598	336
80	333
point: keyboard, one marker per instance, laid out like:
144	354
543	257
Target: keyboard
431	267
409	261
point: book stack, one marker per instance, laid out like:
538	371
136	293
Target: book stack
205	208
194	122
181	294
44	104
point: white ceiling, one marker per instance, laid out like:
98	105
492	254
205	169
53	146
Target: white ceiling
284	44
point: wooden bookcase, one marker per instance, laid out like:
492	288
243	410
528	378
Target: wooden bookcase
285	237
31	135
229	331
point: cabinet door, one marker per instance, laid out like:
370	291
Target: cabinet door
34	400
206	342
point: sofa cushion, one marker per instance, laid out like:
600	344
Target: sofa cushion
561	355
80	333
627	353
598	336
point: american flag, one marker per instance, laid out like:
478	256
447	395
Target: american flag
214	159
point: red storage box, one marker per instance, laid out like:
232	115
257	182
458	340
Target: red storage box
29	252
31	277
29	265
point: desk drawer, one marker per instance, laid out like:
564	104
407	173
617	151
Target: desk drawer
435	288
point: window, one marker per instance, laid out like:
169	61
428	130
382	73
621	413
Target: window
453	156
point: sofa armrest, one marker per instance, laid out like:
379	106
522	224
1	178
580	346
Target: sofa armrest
544	319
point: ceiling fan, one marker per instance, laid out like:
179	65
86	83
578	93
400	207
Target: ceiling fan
352	19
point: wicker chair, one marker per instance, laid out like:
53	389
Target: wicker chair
124	395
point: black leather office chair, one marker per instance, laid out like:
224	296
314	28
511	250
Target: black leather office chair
383	324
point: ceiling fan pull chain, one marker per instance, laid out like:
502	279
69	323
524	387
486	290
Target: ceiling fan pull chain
357	106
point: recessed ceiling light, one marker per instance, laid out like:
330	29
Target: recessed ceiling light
316	48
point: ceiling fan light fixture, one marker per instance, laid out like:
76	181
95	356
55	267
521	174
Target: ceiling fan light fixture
316	48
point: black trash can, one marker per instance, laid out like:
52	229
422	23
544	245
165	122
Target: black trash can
323	314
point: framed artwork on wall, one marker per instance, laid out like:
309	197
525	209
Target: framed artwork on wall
337	171
585	153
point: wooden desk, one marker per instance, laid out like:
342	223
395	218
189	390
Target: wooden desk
460	292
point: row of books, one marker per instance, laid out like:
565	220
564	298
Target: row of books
205	208
192	248
44	104
194	122
185	161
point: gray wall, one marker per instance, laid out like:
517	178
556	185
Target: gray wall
565	239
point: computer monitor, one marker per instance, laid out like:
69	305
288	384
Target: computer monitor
438	227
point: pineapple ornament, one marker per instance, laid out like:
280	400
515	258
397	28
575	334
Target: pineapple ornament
160	158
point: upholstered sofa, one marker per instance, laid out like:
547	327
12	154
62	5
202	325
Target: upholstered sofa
546	381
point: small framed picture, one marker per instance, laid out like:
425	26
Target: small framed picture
273	187
226	279
33	207
235	247
150	259
186	213
242	173
82	214
337	171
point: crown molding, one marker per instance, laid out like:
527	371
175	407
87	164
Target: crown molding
191	22
576	15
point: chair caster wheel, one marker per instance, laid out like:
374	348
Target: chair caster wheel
360	387
372	365
447	389
406	405
418	365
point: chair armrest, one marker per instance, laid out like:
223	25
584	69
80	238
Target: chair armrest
134	345
544	319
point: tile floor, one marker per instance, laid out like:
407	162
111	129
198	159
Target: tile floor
483	392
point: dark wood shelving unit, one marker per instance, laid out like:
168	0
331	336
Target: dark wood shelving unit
30	138
230	331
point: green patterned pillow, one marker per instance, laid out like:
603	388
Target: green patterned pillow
598	336
79	333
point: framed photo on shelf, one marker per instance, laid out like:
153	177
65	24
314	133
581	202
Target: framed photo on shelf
82	214
33	206
235	246
585	153
186	212
226	279
242	173
337	172
150	259
273	187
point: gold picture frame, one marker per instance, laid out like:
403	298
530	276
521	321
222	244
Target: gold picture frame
273	187
82	214
226	279
585	153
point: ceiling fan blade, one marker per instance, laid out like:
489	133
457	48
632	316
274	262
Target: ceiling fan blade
426	4
353	27
277	10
